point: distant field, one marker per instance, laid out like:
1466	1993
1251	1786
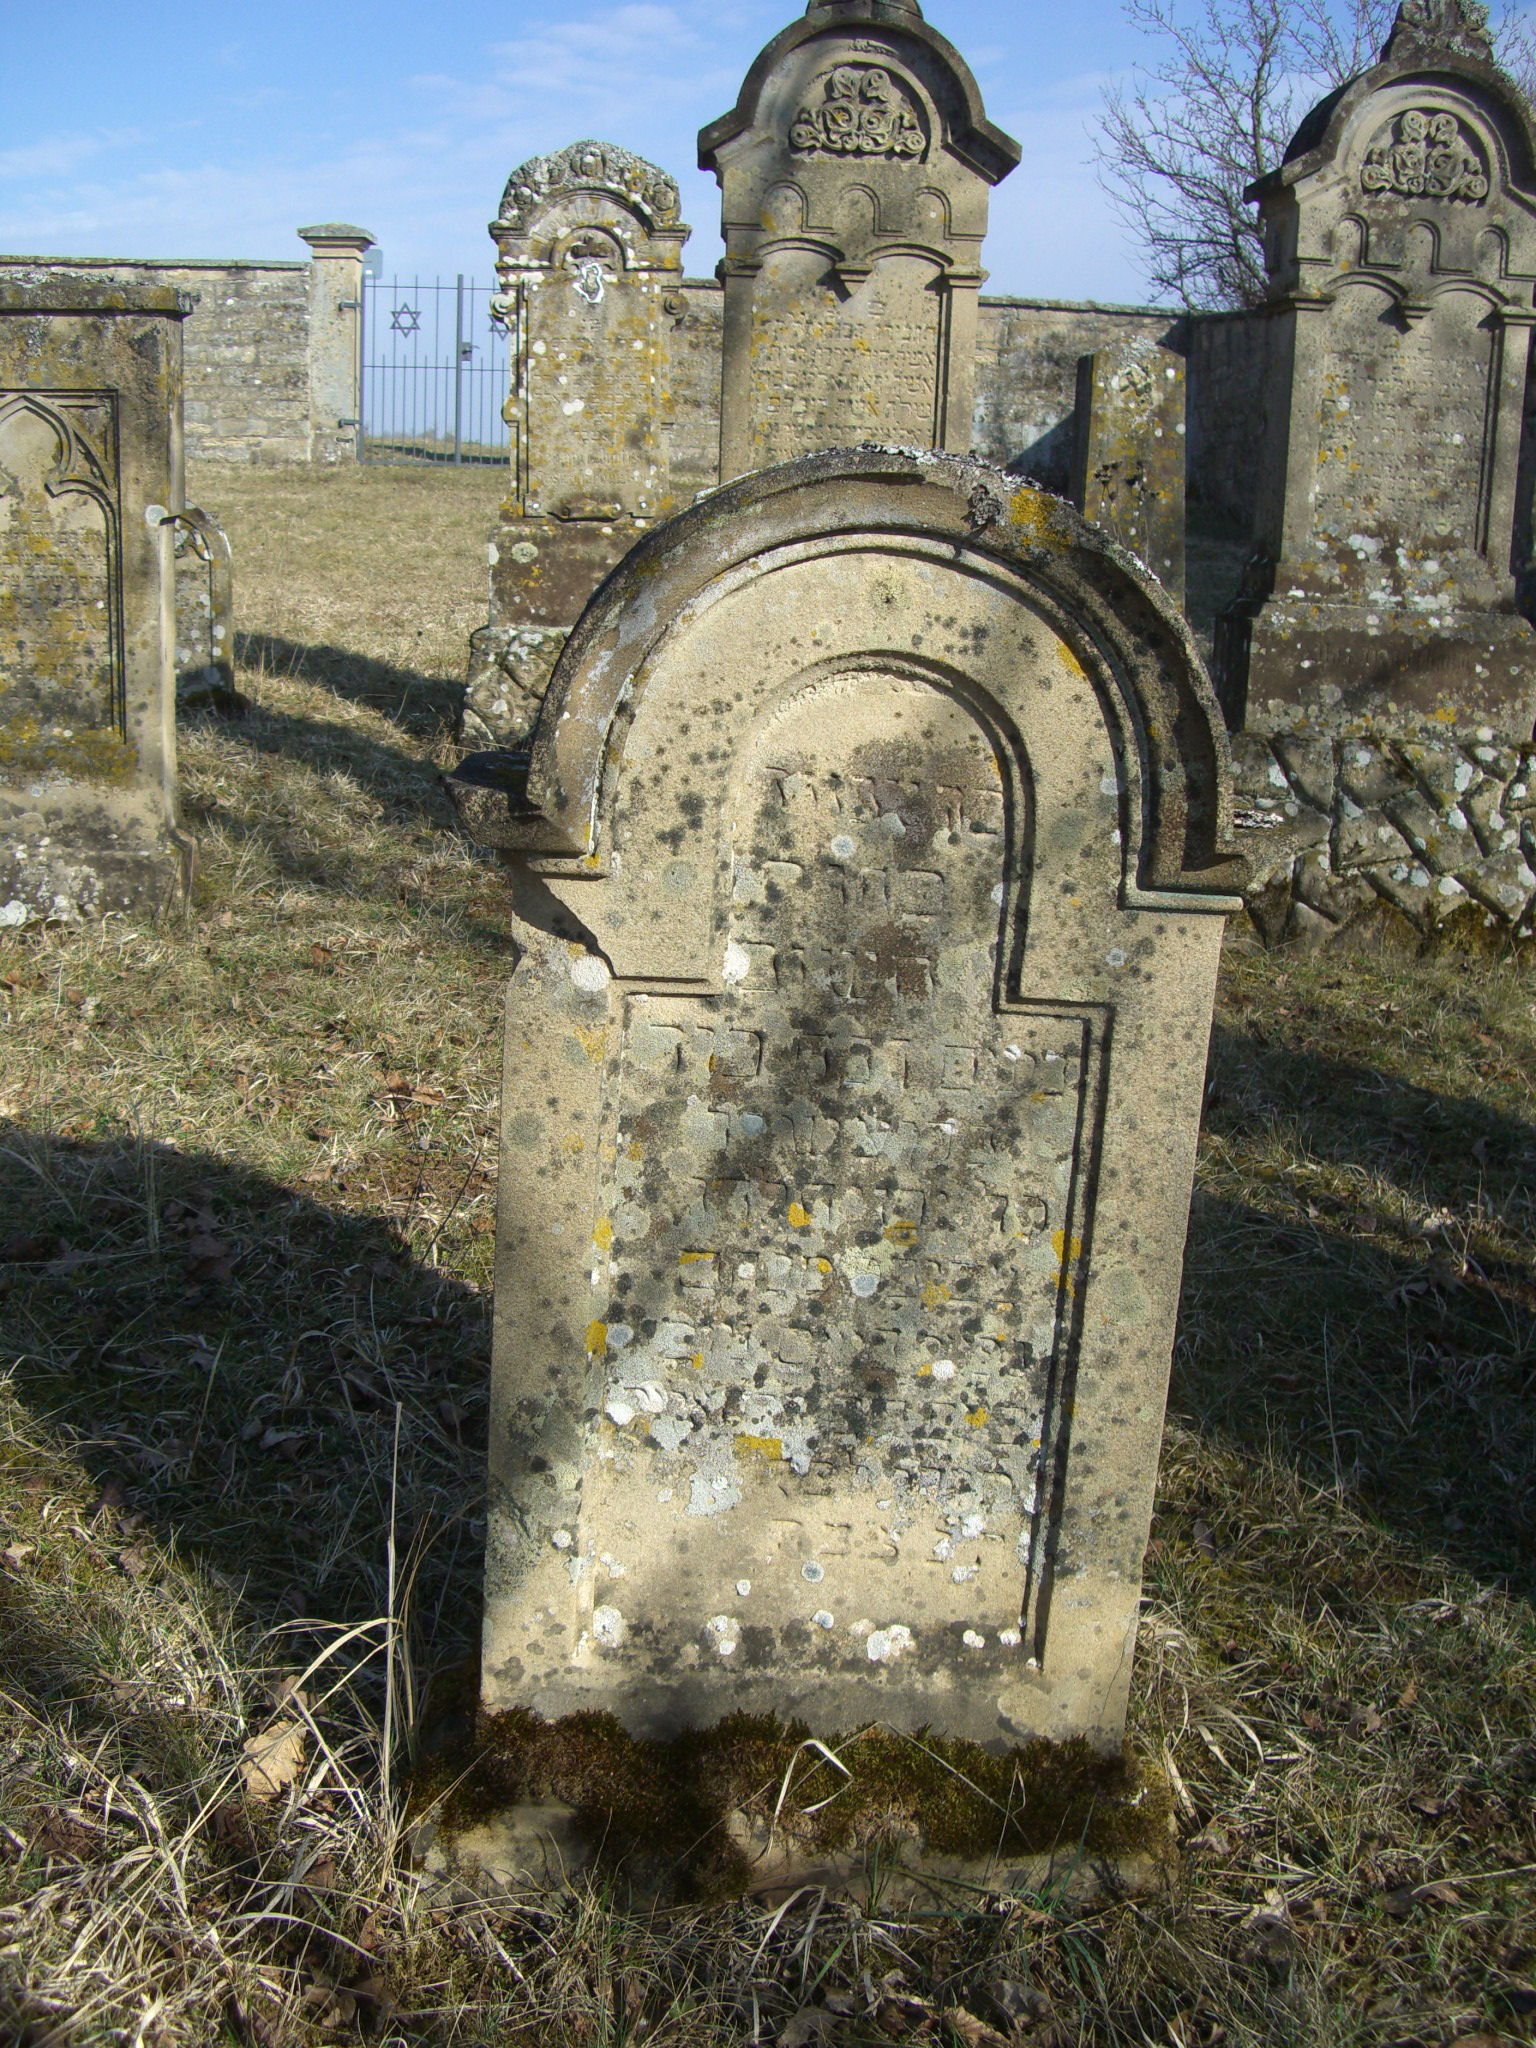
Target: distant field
247	1182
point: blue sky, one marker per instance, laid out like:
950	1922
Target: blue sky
143	128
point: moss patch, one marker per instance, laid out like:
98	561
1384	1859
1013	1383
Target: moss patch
678	1810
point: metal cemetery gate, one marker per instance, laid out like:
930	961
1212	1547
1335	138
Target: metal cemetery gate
434	372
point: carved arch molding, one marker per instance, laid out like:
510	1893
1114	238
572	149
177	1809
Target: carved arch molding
61	598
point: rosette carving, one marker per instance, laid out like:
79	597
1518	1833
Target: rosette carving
586	167
1425	154
863	113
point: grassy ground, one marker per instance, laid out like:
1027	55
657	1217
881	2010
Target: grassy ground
246	1206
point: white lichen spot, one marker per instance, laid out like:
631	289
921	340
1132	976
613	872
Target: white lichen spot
885	1645
726	1631
607	1627
737	964
944	1550
562	1539
812	1572
943	1369
590	974
843	847
1115	957
1010	1638
743	1588
964	1573
620	1413
822	1619
974	1640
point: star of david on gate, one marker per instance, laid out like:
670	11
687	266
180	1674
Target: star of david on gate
406	319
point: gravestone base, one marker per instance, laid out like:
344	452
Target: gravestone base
1353	668
753	1807
543	571
61	865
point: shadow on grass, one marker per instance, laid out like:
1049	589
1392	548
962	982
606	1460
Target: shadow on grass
228	1358
422	705
1388	1354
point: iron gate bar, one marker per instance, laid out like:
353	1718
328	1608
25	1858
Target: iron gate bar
423	398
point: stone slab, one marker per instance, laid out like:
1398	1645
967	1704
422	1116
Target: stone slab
869	863
1128	467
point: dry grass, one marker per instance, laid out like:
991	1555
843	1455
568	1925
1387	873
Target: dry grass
246	1199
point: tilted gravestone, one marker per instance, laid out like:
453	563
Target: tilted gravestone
90	464
1128	453
589	250
868	870
854	173
1401	245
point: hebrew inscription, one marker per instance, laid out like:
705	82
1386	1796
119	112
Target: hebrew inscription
1426	154
839	1221
58	598
827	370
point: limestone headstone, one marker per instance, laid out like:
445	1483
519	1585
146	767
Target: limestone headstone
869	868
1128	467
589	252
90	460
1401	245
854	171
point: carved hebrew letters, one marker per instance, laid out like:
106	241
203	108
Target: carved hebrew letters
1426	154
838	1214
863	112
60	663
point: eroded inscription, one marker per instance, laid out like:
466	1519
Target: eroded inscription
57	588
838	1236
827	371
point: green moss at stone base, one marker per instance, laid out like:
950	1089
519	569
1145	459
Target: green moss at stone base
681	1806
85	754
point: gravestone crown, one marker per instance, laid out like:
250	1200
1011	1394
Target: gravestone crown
1425	26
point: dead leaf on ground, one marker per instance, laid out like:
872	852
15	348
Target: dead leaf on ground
811	2027
273	1759
1205	1542
135	1559
1364	1721
16	1554
209	1258
973	2032
1431	1807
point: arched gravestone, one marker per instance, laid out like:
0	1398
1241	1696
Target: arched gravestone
870	863
589	245
1401	246
854	172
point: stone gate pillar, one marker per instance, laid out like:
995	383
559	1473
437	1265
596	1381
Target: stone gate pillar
336	250
854	170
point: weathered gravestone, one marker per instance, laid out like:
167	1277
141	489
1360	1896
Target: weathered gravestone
1128	453
1401	247
589	252
869	868
90	458
854	173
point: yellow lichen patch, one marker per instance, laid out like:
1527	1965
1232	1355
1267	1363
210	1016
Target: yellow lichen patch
799	1218
1065	1255
602	1234
693	1258
1070	662
594	1041
823	1265
573	1142
925	1372
978	1417
901	1230
771	1447
636	1150
597	1340
697	1361
1038	519
934	1293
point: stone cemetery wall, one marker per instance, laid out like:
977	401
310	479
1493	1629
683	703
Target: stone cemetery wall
260	346
855	171
90	458
869	864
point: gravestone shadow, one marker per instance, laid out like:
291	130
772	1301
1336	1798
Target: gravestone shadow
426	706
1393	1363
226	1359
